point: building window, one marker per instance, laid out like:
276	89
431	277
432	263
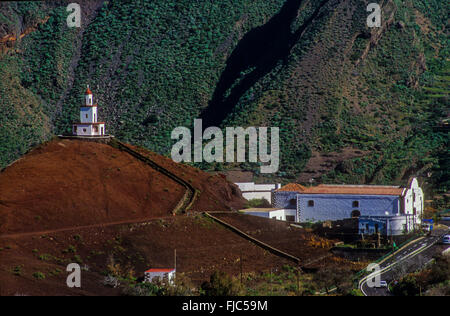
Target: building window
355	203
86	116
290	218
311	203
356	214
293	202
84	130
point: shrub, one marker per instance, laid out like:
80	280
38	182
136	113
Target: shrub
17	270
258	203
220	284
407	286
39	275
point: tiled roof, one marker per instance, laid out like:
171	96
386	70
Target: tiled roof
354	189
88	91
292	187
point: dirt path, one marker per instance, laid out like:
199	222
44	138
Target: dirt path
184	204
191	193
59	230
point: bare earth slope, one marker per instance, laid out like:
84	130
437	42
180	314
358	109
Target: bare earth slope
75	201
66	183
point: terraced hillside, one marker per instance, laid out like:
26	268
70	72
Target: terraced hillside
370	98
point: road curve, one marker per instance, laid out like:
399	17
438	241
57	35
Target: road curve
407	259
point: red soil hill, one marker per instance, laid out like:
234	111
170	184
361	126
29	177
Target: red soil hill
71	183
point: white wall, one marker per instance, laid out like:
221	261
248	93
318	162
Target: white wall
152	276
276	214
89	99
88	129
281	214
251	186
90	112
251	191
390	226
414	198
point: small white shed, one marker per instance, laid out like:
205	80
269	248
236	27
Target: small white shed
251	190
160	274
289	215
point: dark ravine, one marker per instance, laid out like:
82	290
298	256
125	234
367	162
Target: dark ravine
259	51
88	18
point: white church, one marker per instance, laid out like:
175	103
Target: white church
88	124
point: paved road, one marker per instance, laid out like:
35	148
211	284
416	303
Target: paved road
409	259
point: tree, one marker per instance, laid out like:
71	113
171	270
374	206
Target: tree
408	286
220	284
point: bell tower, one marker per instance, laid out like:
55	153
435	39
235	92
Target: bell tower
88	124
89	97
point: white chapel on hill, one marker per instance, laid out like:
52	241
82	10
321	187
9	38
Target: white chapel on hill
88	124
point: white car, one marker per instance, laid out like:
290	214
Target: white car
446	240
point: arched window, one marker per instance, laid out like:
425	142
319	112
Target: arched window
356	214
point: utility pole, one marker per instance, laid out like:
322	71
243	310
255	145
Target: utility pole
240	261
271	286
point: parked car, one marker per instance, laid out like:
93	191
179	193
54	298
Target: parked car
446	240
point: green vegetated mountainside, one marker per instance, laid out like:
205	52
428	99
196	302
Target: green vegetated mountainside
312	68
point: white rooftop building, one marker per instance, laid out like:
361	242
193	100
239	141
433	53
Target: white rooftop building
273	213
389	210
162	275
251	191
